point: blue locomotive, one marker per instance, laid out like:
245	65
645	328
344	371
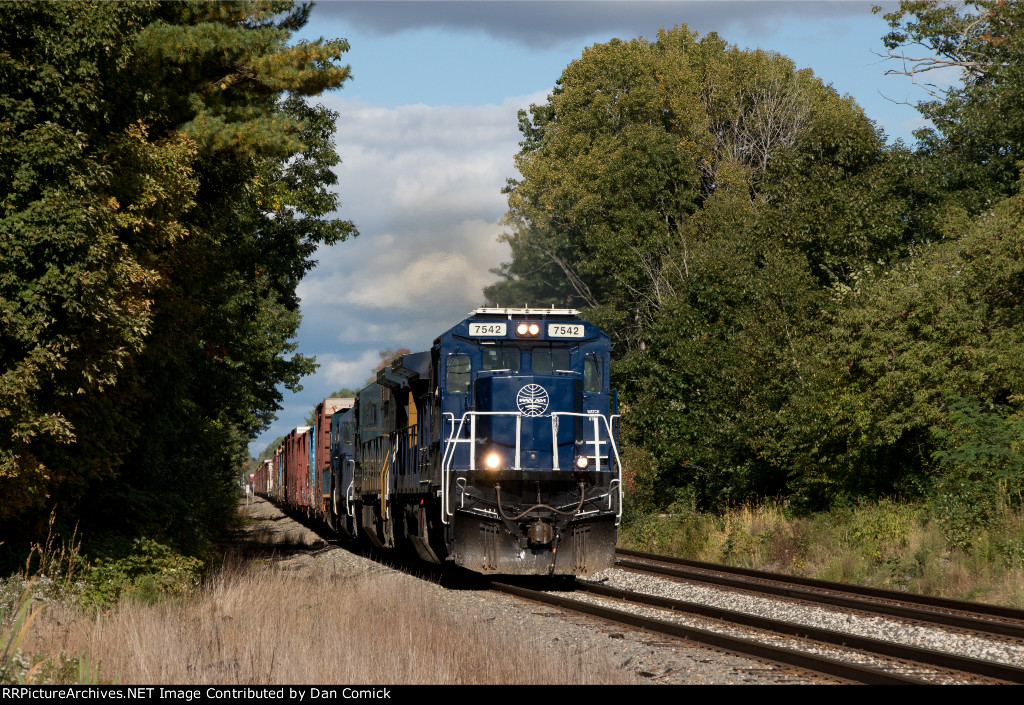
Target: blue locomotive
495	450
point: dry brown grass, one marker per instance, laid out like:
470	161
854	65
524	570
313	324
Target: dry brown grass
261	626
884	544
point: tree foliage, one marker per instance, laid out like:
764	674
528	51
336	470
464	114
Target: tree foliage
165	185
975	145
701	201
638	135
946	321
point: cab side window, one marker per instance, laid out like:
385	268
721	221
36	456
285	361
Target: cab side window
458	377
592	373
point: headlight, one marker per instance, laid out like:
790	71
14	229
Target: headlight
582	462
492	460
528	330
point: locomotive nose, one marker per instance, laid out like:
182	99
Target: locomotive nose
534	397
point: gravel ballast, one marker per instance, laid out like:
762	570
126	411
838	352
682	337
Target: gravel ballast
650	658
872	626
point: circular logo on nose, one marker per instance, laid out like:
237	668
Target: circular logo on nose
532	400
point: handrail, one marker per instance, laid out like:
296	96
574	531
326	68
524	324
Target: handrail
616	483
350	495
455	437
384	478
596	442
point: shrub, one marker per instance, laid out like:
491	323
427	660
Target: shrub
980	467
152	570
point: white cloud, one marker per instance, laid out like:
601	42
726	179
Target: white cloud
446	265
410	163
423	184
338	372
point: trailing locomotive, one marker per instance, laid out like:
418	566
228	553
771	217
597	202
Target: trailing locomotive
495	450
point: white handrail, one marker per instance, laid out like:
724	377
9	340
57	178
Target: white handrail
596	443
455	433
454	437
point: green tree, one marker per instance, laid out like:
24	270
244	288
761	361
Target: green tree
165	187
945	321
698	201
976	142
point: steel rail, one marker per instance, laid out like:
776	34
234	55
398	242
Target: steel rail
747	647
961	621
907	597
930	657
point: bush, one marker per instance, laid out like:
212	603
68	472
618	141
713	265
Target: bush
639	478
979	467
149	572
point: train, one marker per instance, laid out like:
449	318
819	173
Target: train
496	450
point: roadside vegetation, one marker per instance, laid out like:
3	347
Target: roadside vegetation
148	619
914	547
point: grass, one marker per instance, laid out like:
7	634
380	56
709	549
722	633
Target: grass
899	546
254	624
250	623
51	576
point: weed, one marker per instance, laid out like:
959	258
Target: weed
151	571
887	544
13	667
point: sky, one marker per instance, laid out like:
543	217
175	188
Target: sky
427	132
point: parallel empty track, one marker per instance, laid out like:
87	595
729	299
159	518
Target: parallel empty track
978	618
887	659
837	654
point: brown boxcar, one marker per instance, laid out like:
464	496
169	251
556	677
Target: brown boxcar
321	457
296	465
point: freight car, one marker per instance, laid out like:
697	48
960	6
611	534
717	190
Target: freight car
495	450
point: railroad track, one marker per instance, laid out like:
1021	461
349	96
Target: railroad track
836	654
976	618
894	661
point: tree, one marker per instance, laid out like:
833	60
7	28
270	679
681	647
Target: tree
975	145
165	186
632	142
699	201
905	344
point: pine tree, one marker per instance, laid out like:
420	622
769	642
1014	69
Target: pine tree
164	187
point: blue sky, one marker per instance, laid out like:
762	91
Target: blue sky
427	132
